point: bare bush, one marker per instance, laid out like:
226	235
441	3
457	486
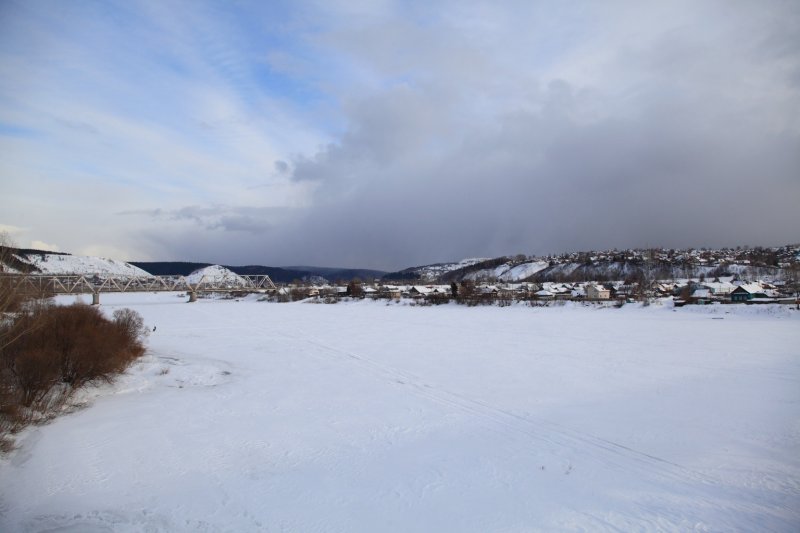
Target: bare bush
51	351
131	324
505	299
438	299
299	293
77	344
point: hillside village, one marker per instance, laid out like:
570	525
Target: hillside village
692	276
611	265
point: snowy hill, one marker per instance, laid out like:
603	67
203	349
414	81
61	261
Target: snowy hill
508	271
51	263
216	273
432	272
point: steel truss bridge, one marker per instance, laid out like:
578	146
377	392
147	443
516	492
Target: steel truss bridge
95	284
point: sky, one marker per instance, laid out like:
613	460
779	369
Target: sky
381	134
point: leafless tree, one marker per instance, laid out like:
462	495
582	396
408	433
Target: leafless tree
354	289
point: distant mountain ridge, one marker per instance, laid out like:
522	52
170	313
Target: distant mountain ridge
346	274
184	268
276	274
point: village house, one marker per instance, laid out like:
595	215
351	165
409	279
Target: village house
418	291
719	287
488	290
597	292
701	296
369	292
747	292
442	290
391	291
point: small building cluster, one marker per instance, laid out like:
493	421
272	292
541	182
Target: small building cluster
683	292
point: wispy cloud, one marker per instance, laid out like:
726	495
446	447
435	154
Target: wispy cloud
147	103
219	217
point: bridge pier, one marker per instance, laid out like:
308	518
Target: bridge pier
95	298
192	296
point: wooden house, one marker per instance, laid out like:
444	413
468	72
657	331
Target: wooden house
746	292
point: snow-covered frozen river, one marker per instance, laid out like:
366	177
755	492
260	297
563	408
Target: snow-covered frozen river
254	416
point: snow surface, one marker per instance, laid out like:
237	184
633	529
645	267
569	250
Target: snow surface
488	273
216	273
507	272
82	265
432	272
523	271
255	416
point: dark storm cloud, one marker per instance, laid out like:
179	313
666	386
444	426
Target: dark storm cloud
691	140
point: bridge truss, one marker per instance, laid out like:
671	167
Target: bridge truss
96	284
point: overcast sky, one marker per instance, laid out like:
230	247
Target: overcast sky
391	134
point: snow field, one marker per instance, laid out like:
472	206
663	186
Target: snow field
253	416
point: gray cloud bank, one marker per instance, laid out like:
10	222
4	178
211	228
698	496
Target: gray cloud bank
686	133
457	129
